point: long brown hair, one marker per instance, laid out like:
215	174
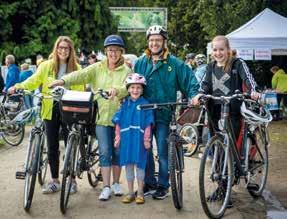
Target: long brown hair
227	65
72	59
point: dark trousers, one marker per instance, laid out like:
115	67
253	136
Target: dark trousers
52	133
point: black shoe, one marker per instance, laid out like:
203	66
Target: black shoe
148	190
160	194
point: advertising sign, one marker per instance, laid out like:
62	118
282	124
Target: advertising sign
262	54
137	19
246	54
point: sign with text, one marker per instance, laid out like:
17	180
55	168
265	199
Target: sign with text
246	54
137	19
263	54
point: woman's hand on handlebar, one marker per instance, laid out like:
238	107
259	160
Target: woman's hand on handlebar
56	83
255	95
12	90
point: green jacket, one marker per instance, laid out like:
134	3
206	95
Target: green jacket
164	79
279	81
43	77
99	76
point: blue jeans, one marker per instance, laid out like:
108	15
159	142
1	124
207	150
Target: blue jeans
161	132
109	155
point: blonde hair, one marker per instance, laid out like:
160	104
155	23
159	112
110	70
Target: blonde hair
24	66
72	59
227	65
10	58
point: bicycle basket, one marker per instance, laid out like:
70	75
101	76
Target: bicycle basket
78	107
190	115
13	104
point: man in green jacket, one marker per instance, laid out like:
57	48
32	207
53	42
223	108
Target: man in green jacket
279	84
165	75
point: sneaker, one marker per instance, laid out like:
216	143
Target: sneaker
140	200
51	187
105	194
160	194
116	189
74	188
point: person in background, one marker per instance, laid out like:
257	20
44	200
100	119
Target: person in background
92	58
279	84
200	61
25	74
62	62
109	75
189	60
133	135
12	73
165	75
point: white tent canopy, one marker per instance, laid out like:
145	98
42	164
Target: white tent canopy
267	30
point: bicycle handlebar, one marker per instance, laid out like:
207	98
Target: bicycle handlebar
160	105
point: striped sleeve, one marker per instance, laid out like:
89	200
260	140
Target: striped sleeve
246	76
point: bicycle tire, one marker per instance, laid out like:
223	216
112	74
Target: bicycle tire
220	196
69	166
189	133
175	172
93	162
31	171
43	162
15	136
257	160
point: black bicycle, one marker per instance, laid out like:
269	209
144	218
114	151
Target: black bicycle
226	161
81	153
175	151
36	161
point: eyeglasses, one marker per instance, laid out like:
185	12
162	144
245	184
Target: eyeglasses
155	40
63	48
113	50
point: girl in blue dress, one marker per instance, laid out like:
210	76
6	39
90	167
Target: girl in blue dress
133	135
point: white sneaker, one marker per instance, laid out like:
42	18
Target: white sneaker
116	188
51	187
74	188
105	194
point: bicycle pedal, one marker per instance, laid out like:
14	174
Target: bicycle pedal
20	175
252	187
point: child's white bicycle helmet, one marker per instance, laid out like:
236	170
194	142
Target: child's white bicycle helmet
135	78
254	113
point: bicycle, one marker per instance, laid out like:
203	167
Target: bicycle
223	164
10	106
193	121
175	151
36	161
80	155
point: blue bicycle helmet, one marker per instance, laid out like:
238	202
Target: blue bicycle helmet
114	40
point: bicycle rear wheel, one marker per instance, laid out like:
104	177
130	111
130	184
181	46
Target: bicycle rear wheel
43	162
93	161
175	171
14	136
31	170
68	171
189	133
215	181
258	162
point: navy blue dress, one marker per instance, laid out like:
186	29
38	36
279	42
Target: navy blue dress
132	124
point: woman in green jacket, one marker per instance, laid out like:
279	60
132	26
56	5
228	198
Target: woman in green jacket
63	61
109	75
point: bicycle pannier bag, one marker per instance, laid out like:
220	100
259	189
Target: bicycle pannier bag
190	115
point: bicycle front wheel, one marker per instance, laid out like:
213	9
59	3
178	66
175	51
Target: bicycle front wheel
31	170
68	171
43	162
215	177
14	136
175	171
94	172
258	162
